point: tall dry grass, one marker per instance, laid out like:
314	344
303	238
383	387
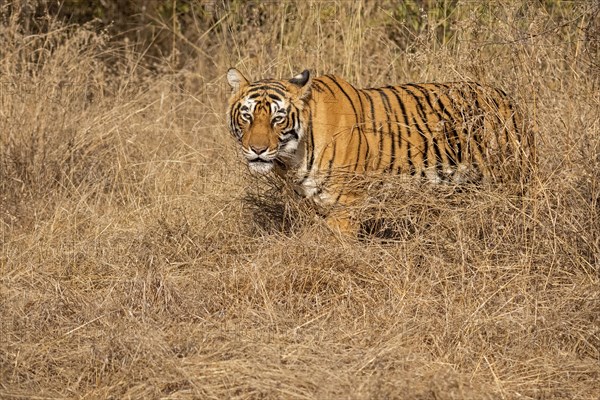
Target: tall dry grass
140	260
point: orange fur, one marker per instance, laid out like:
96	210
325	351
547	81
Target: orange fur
322	133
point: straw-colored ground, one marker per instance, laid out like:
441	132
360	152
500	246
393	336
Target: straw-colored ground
140	260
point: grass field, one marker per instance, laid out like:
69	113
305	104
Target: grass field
141	260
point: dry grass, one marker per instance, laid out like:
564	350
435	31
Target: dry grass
139	259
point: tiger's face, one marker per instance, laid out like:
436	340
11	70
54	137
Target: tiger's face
266	118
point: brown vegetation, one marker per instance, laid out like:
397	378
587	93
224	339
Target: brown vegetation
140	260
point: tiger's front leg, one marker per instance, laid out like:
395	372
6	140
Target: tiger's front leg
334	202
342	223
339	215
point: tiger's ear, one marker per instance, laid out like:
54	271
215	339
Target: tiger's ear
302	81
236	80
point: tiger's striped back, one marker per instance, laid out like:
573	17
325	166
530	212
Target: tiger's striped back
445	132
321	133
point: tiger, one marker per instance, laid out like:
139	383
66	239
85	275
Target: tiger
319	133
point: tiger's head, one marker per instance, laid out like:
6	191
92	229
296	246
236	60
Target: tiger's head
266	118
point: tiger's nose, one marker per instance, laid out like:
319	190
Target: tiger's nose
258	149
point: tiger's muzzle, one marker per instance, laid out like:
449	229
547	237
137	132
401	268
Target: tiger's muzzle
260	159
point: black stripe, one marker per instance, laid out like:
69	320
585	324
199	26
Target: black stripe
438	112
355	115
388	110
426	93
292	132
477	132
290	122
309	149
463	121
321	82
438	155
411	165
451	135
425	131
374	127
475	143
234	115
360	123
274	97
405	123
417	126
329	168
458	121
